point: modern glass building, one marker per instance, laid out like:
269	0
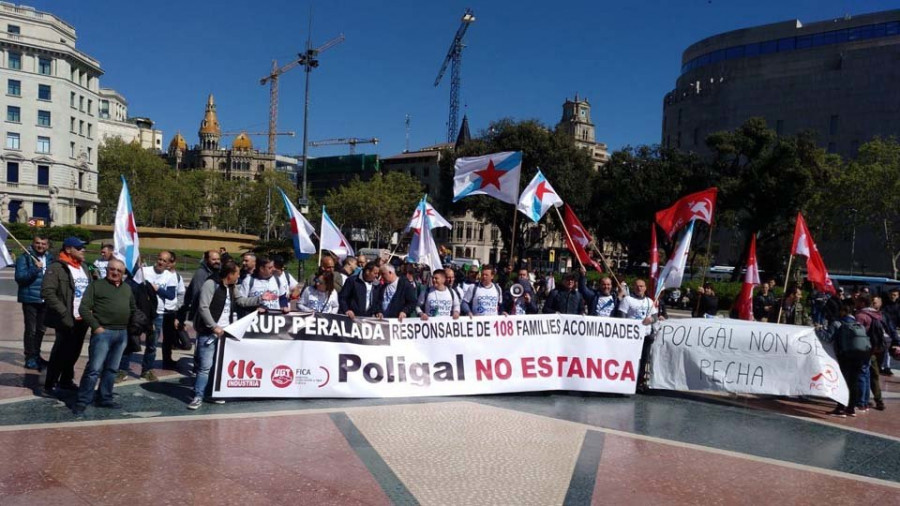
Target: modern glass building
836	77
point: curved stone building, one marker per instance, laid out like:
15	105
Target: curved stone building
836	77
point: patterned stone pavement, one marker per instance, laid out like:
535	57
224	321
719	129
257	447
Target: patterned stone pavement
547	448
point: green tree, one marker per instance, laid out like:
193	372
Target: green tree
569	170
381	206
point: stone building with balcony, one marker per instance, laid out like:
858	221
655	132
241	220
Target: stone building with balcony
48	161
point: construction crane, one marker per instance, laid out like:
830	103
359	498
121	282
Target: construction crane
307	59
351	141
454	59
289	134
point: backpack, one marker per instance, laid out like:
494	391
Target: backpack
477	286
853	340
252	279
878	335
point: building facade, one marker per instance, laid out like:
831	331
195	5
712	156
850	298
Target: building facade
115	122
576	123
51	129
240	161
835	77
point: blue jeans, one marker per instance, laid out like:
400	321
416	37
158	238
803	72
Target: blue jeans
206	358
864	385
104	354
150	344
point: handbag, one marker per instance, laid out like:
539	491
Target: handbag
182	339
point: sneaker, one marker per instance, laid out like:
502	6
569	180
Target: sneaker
32	363
78	411
121	376
195	403
879	405
218	401
110	405
149	376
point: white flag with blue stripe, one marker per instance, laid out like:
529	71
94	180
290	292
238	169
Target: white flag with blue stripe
496	175
538	197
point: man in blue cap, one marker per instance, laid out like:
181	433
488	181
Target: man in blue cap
62	290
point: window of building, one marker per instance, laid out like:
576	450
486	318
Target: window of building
14	29
459	231
12	140
804	41
12	172
832	147
833	124
44	118
14	61
104	109
72	124
81	127
90	107
13	114
89	152
43	175
43	145
81	178
481	232
81	103
72	150
468	231
90	131
787	44
44	66
43	92
72	99
14	87
41	210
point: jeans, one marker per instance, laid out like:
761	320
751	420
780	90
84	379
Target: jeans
104	354
34	328
850	368
65	352
864	385
206	359
150	344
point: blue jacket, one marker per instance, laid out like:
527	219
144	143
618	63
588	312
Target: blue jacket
29	277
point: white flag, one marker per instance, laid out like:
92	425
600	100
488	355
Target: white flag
238	328
5	257
673	273
496	175
436	220
125	235
538	197
332	239
301	229
422	249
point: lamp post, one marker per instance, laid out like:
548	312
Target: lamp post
853	212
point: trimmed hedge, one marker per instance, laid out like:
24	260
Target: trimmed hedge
25	233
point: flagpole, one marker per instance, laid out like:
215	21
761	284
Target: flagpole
706	263
512	247
787	277
19	243
569	236
606	263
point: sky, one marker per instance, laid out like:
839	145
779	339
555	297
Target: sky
522	60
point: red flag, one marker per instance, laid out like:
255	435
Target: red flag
696	206
751	279
580	237
654	258
815	266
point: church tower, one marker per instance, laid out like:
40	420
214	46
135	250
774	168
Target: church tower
210	133
576	121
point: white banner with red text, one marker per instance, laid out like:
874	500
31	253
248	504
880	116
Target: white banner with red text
319	355
713	354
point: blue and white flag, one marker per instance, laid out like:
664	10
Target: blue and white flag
673	273
496	175
422	249
434	218
538	197
125	235
332	239
301	230
5	257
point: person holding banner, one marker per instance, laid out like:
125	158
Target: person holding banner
602	302
355	298
265	285
638	306
395	297
216	309
321	296
566	299
439	300
483	298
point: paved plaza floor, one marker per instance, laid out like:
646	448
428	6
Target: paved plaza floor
547	448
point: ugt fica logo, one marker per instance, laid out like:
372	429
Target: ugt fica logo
282	376
244	374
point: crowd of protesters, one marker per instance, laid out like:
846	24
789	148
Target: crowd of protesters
101	299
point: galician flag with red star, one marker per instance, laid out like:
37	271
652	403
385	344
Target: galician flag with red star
496	175
422	249
126	245
332	239
538	197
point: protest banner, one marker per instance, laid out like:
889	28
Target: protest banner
323	355
744	357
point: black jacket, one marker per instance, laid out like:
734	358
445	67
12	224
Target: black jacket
509	302
563	301
404	300
352	296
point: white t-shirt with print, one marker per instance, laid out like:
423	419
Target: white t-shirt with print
483	301
81	281
262	287
637	309
162	280
441	303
